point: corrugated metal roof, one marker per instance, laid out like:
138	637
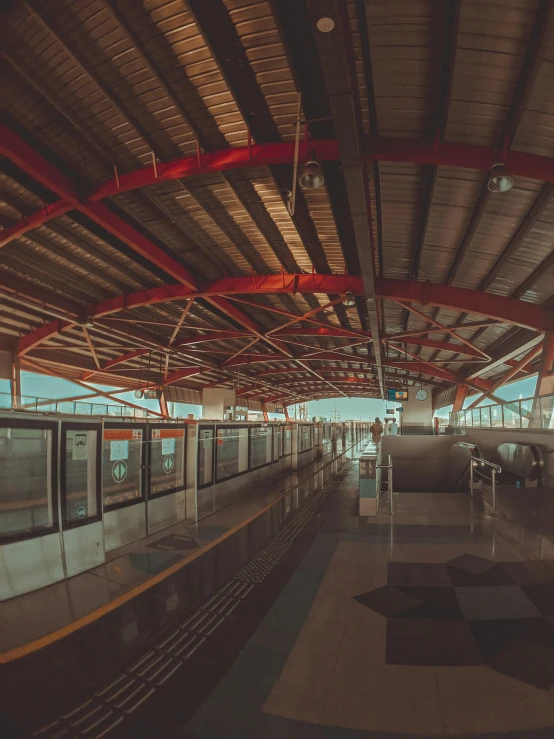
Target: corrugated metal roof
103	87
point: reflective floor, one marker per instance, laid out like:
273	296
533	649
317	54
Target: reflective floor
34	615
440	623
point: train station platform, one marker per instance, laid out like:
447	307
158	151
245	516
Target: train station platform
437	622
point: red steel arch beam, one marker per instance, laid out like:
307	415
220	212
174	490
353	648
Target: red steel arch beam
508	310
25	157
539	318
431	344
445	153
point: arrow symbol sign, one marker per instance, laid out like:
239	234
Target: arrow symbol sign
119	471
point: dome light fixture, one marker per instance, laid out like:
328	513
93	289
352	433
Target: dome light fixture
348	300
89	323
325	24
312	176
499	179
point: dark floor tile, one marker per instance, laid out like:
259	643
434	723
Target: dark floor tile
495	575
495	602
430	642
541	570
542	595
530	663
434	603
418	575
255	605
147	727
518	572
471	563
224	644
388	601
493	636
279	575
178	699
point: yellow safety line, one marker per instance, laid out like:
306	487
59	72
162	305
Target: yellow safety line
55	636
143	587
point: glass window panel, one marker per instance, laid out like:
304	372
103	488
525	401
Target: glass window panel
526	407
122	451
496	416
468	418
231	452
205	455
305	437
547	412
80	475
26	480
476	416
276	442
486	417
167	460
260	446
288	440
512	417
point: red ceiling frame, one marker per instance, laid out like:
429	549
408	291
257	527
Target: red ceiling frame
507	310
379	150
25	157
540	318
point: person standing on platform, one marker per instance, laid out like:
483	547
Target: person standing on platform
393	428
376	430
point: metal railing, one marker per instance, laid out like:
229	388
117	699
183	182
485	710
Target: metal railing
30	403
387	467
525	413
476	462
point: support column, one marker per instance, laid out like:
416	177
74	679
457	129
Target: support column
545	384
264	410
163	405
16	383
286	410
545	378
461	392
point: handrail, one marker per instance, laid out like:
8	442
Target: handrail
536	412
495	468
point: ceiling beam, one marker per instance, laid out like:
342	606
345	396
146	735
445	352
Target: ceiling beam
337	61
465	156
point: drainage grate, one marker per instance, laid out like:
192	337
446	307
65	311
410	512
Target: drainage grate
107	708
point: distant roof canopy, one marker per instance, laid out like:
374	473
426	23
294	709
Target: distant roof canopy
152	233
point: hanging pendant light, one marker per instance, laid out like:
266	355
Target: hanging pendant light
348	300
312	175
499	179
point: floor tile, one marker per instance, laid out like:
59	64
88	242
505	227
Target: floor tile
418	575
177	701
471	563
493	635
430	642
299	702
434	603
377	708
530	663
477	700
499	601
224	644
387	601
542	595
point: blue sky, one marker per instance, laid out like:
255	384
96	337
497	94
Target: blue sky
42	386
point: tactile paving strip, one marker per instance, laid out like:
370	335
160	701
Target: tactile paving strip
107	708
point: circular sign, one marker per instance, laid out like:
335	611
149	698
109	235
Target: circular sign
168	463
119	471
81	511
